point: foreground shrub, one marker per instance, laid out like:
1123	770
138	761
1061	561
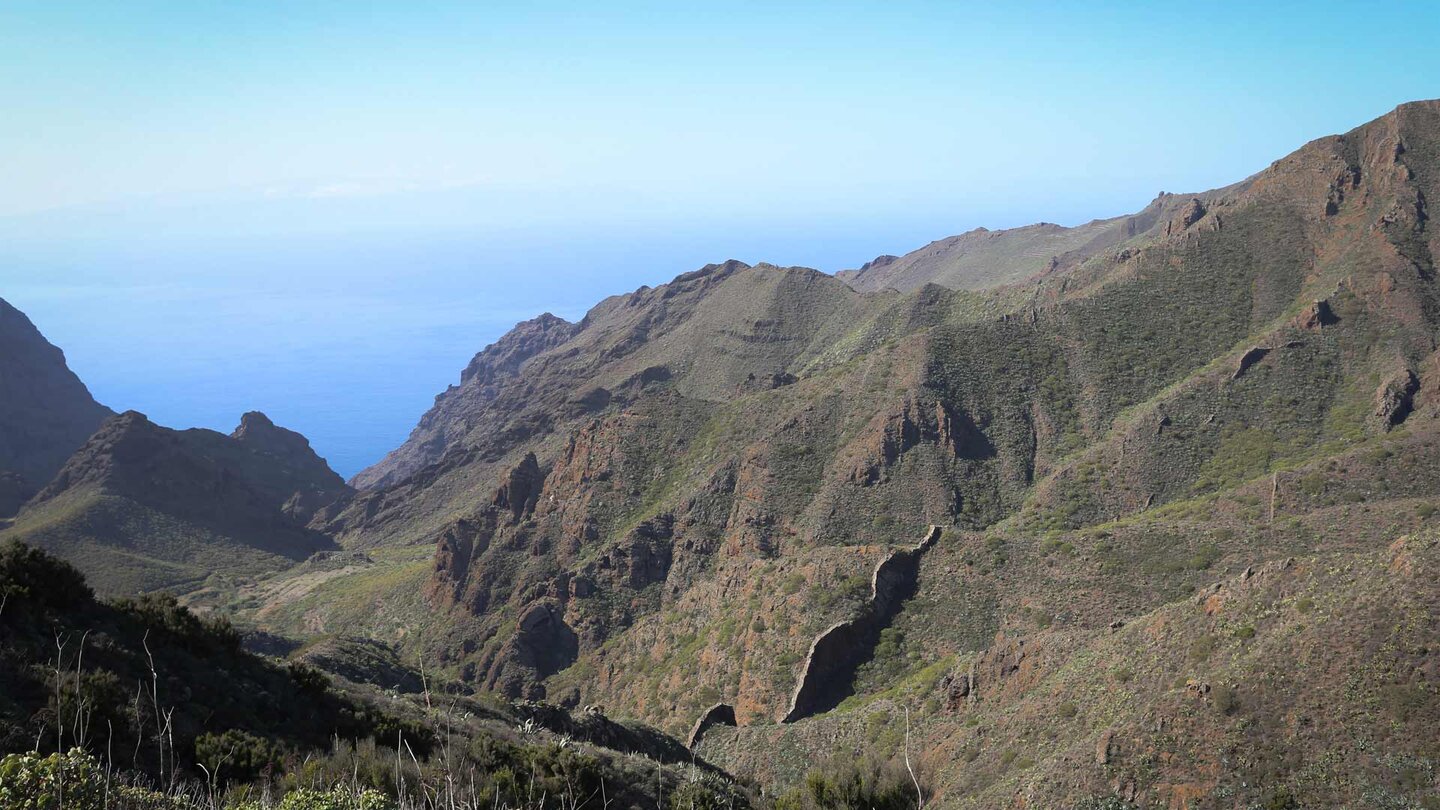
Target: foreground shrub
72	781
335	799
30	575
869	784
236	755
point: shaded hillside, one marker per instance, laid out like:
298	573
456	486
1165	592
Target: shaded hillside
46	413
141	507
151	689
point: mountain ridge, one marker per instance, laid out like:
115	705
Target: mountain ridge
46	412
140	507
1142	461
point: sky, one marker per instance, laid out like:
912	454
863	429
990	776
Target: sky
322	210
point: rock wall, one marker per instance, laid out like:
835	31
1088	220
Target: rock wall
721	714
829	671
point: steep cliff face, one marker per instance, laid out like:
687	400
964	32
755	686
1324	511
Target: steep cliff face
139	505
46	413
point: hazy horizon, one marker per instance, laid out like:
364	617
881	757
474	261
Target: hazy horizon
323	213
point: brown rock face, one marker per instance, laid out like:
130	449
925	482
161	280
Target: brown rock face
543	644
1395	398
919	421
834	655
46	413
1188	215
518	494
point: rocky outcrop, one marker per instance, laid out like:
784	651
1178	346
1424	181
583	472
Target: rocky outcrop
1317	316
829	668
542	645
721	714
917	421
46	413
1247	360
286	457
1395	398
642	558
1189	214
520	490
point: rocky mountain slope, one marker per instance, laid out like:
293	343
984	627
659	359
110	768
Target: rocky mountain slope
666	505
140	507
45	411
1163	456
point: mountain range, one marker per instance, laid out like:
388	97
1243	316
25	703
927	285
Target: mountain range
1134	513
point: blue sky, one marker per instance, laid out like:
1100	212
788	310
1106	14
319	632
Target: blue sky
219	206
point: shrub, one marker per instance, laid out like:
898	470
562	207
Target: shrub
200	635
849	784
334	799
694	795
236	755
308	678
1225	698
72	781
1201	647
30	575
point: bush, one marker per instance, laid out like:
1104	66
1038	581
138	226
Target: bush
694	795
1226	700
72	781
848	784
30	575
199	635
236	755
334	799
